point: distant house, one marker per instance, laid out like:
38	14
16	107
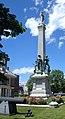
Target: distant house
9	82
23	90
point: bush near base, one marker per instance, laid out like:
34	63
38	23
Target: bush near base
36	101
41	101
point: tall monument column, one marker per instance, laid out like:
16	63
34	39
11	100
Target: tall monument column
41	37
40	78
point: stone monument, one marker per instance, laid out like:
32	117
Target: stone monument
41	85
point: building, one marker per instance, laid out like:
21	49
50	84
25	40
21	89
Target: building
9	82
16	85
23	90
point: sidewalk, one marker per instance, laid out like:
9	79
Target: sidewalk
27	105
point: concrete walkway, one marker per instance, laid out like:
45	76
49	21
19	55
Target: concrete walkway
27	105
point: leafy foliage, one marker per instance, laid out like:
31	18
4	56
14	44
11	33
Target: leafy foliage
58	99
36	101
29	85
9	26
57	81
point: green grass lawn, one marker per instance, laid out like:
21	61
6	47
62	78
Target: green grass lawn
39	113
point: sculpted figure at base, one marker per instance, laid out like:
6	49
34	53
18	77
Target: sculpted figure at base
47	66
38	66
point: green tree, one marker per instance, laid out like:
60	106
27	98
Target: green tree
29	85
9	26
57	81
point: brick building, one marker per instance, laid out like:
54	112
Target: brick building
9	82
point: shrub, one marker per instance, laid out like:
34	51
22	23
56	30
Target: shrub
58	99
36	101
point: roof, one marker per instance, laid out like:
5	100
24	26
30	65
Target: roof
4	71
10	74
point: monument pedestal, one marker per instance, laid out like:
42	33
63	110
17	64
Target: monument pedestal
41	86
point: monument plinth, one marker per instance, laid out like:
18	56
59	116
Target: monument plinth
41	85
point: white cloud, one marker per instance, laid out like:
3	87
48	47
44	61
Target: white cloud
56	20
32	24
52	40
49	3
61	1
25	10
62	38
34	9
60	44
24	70
4	37
38	2
46	10
7	30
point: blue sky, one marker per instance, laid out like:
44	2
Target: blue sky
22	49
